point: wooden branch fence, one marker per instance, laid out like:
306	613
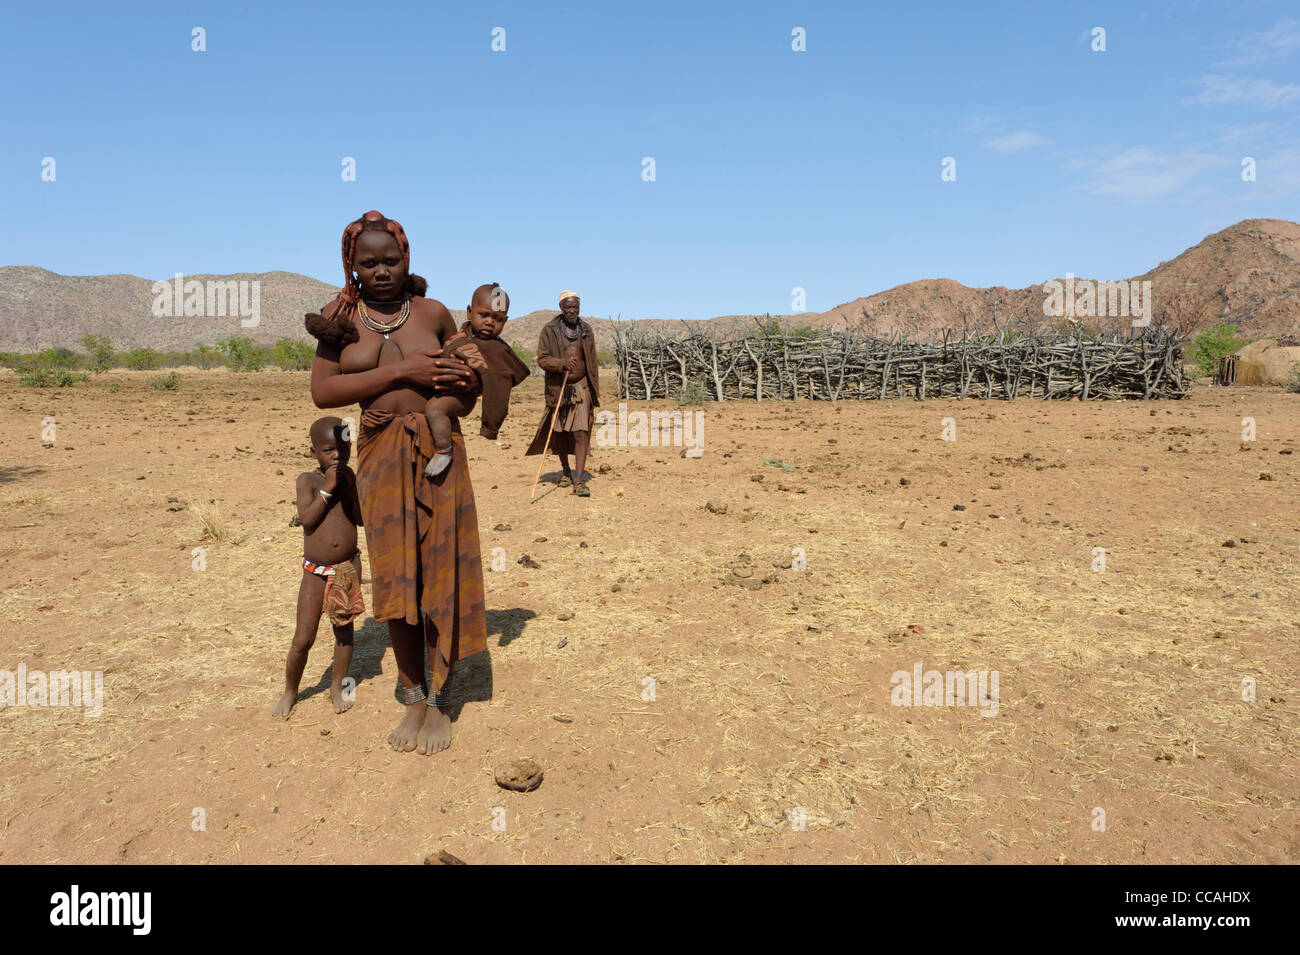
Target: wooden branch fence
853	364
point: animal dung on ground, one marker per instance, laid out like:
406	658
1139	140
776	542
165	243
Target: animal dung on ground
443	858
521	776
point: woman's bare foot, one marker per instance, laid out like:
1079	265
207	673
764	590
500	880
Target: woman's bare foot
435	735
403	738
341	702
285	706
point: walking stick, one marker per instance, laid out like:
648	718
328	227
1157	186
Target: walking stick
547	446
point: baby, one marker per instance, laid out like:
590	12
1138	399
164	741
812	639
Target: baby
331	563
499	369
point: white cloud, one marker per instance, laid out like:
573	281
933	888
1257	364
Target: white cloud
1014	142
1217	89
1253	135
1277	176
980	121
1279	41
1143	173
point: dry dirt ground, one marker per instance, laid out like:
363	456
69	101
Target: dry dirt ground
1119	689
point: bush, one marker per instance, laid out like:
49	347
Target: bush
51	377
168	382
100	350
242	354
1293	386
204	356
694	392
1216	342
775	328
291	355
114	388
141	359
49	359
60	357
523	354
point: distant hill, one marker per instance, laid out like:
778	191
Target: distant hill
1248	273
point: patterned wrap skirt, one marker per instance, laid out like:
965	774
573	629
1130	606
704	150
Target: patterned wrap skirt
421	535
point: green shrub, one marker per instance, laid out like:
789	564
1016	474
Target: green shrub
776	328
204	356
48	359
168	382
1293	386
114	388
1216	342
694	392
291	355
100	350
141	359
51	377
242	354
523	354
60	357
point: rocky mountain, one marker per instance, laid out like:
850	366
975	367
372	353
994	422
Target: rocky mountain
1248	273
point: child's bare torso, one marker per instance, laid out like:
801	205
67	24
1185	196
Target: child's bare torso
334	539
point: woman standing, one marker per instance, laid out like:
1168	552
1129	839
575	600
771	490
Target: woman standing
378	345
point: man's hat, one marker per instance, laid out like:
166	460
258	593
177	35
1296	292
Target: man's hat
568	294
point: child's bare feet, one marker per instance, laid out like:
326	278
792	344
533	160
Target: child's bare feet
435	735
438	463
285	706
403	738
341	700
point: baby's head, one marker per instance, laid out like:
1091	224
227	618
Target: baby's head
488	309
329	442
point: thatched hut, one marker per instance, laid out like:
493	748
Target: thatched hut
1267	362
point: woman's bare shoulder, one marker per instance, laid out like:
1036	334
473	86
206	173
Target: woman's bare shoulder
434	312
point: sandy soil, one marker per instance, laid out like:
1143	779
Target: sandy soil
1118	689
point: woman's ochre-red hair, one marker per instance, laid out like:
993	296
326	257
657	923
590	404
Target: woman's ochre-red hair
343	332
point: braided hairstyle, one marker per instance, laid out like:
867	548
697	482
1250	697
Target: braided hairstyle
339	329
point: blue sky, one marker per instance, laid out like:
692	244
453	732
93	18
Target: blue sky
774	169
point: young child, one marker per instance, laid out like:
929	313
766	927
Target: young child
331	562
499	369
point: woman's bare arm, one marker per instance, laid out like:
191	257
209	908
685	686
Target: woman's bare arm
451	374
331	388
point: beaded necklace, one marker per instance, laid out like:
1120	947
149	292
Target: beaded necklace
384	327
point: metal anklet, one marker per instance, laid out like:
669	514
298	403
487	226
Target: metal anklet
441	699
412	694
